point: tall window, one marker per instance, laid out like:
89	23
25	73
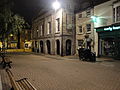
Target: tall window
57	24
114	14
118	13
80	29
88	13
49	27
88	27
80	42
80	15
37	31
42	29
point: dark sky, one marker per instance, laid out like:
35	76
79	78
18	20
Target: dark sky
30	8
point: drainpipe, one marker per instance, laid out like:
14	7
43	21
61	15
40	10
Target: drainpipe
62	36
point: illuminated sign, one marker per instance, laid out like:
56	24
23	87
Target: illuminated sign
112	28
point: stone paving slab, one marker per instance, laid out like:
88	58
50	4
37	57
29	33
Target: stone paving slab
55	73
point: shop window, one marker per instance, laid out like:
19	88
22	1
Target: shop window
88	27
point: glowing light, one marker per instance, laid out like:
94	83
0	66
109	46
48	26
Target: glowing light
56	5
95	19
11	35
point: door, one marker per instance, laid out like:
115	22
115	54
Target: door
58	47
68	47
48	47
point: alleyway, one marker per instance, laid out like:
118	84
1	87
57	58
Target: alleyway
55	73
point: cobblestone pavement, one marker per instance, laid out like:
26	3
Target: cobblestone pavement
67	73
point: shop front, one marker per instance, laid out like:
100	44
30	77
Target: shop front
109	41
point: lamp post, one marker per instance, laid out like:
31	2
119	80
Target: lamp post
56	5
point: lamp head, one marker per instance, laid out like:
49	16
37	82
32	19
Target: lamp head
56	5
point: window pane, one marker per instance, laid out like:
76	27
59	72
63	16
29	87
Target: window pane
80	42
88	13
49	27
80	29
58	24
118	13
88	26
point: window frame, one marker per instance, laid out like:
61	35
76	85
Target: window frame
49	25
88	29
80	29
58	25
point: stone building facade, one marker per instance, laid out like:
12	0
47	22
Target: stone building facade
105	28
53	32
84	26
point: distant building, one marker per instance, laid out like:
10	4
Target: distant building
53	31
12	40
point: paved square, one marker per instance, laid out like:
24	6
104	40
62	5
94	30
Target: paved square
61	73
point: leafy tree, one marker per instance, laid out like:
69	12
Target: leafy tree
10	22
18	25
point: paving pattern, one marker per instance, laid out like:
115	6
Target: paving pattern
66	73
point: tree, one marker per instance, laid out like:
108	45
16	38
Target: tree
18	24
10	22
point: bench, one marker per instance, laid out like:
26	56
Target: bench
6	62
22	84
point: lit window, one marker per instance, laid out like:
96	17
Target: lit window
88	27
57	24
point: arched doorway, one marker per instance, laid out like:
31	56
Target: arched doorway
58	47
68	47
48	47
41	47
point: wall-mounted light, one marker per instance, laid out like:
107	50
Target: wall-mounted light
95	18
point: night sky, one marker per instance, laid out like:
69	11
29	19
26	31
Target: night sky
30	8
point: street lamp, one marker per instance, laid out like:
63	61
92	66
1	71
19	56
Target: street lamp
56	5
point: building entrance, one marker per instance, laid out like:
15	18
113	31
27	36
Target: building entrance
41	47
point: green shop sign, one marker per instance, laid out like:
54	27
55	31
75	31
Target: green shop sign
110	28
